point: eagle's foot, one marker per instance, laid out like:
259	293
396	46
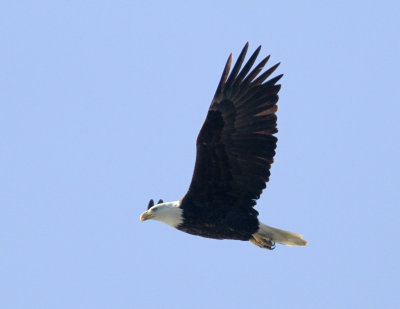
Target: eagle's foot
262	242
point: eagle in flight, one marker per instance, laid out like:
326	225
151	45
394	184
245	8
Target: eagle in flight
235	150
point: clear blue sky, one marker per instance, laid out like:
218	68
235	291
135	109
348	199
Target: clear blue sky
100	106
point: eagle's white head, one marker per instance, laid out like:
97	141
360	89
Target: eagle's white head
169	213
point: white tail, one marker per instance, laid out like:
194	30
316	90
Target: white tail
266	236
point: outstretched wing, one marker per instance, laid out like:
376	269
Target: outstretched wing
236	145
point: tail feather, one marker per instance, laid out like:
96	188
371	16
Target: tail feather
267	235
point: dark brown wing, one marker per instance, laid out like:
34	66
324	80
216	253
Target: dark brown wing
236	146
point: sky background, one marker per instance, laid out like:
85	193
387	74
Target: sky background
100	106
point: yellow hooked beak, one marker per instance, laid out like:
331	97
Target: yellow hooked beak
145	216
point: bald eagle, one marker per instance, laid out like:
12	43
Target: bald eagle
235	150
